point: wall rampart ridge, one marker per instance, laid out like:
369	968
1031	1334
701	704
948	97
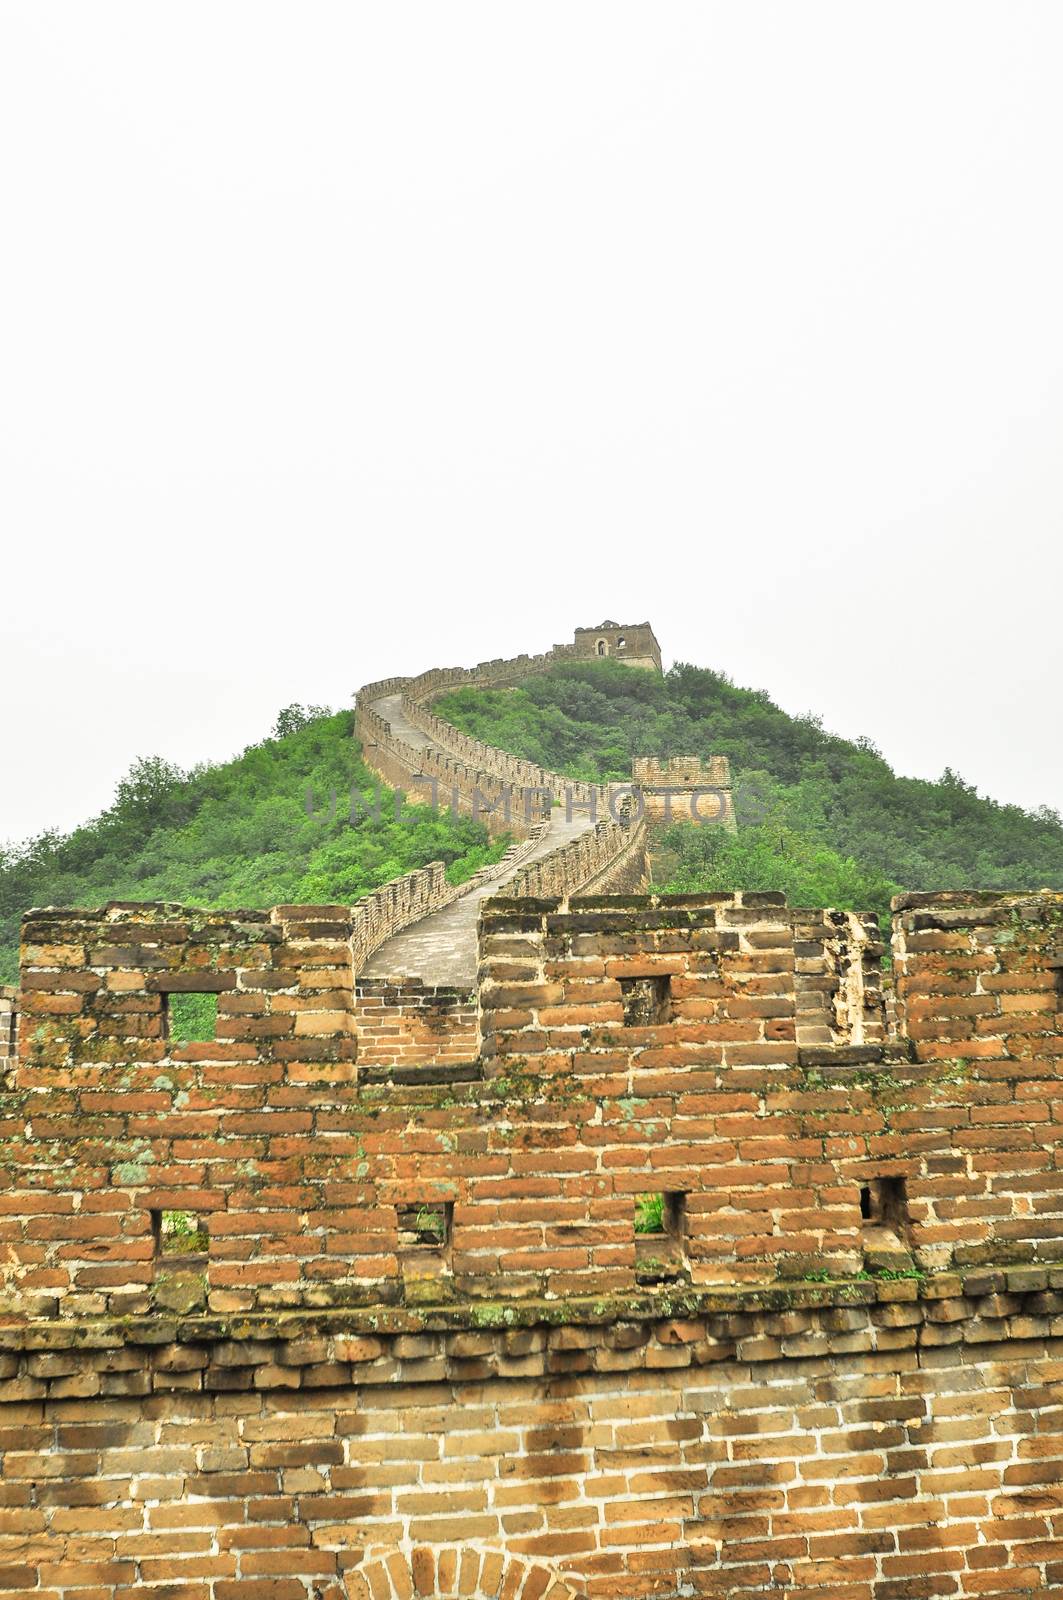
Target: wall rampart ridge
420	691
396	905
506	790
578	864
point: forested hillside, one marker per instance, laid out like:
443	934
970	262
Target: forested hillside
825	819
238	834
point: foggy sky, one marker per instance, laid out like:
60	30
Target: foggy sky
347	339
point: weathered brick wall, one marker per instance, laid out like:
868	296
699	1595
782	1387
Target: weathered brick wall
403	1022
978	975
324	1399
786	1154
8	1029
685	789
779	1159
897	1442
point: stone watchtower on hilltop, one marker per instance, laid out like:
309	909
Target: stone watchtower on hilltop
632	643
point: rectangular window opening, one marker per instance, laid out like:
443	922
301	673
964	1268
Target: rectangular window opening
660	1227
885	1201
190	1018
1056	967
651	1215
425	1226
647	1001
659	1215
179	1233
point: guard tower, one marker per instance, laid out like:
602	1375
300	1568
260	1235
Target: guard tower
633	643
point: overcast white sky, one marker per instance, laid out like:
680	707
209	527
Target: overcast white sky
346	339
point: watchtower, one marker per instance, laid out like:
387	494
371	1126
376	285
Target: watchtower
633	643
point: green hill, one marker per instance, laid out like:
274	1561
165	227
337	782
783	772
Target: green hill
238	834
822	818
825	819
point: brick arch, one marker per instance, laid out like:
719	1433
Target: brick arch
431	1573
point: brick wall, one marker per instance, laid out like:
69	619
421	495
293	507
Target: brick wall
685	788
403	1022
877	1447
8	1029
781	1158
786	1150
322	1398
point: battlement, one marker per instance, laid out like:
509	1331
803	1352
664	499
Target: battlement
723	1051
685	789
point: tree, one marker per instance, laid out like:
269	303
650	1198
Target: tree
294	717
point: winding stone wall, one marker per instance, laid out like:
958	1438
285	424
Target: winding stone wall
378	916
504	790
609	857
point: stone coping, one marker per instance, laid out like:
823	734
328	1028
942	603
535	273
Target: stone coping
489	1317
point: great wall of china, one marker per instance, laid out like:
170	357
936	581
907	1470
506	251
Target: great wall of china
539	1239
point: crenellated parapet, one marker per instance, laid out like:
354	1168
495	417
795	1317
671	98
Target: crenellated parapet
724	1053
685	789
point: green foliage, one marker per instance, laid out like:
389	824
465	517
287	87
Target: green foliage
239	834
182	1234
773	856
649	1213
192	1018
430	1223
294	717
822	818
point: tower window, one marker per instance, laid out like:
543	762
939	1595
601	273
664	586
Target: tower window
603	648
621	644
